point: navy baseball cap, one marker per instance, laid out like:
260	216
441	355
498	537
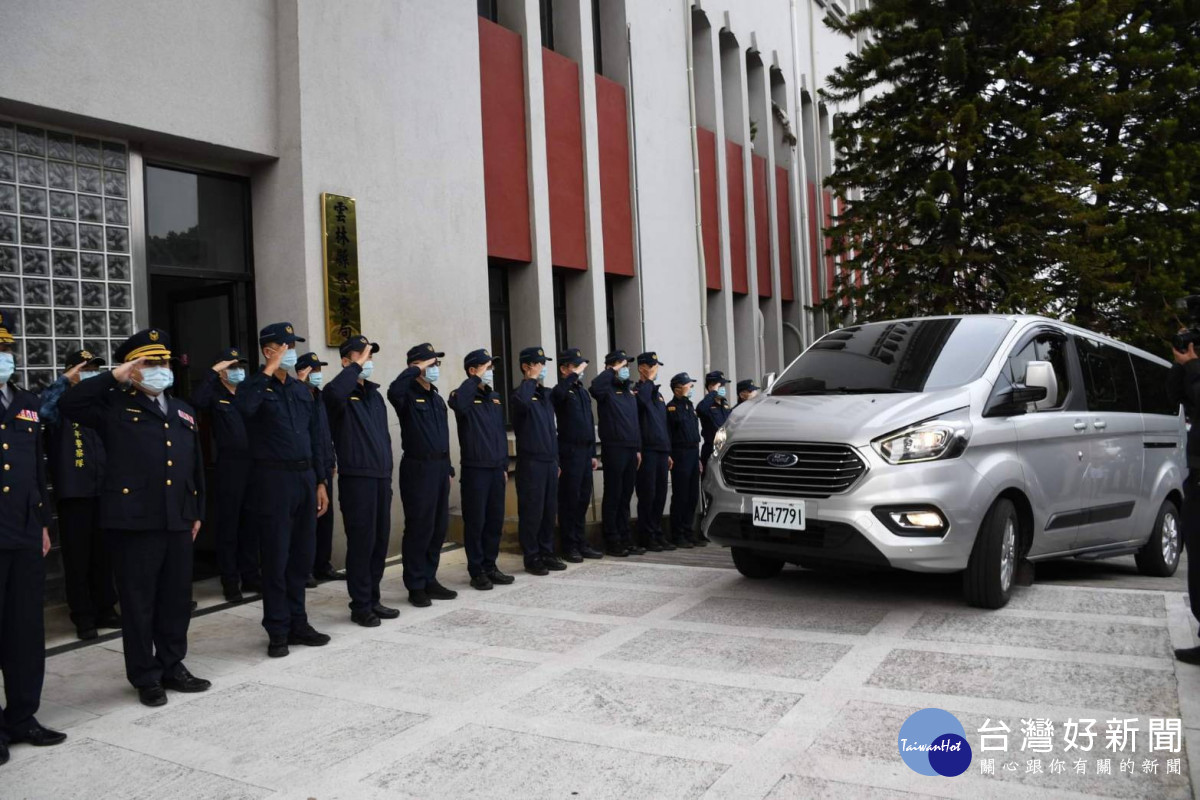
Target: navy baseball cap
615	356
648	359
278	333
310	361
76	357
746	386
423	352
356	344
477	358
681	379
534	355
572	356
716	376
231	354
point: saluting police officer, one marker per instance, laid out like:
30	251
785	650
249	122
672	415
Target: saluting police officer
576	455
237	537
152	506
308	372
77	467
364	450
24	543
746	391
685	459
286	494
656	456
483	446
713	410
621	437
537	464
425	473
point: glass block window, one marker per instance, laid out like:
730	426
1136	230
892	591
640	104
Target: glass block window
65	272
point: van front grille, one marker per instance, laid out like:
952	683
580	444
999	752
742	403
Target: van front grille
819	470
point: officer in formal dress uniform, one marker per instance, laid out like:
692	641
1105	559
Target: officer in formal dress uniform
483	447
237	536
425	473
537	464
286	495
576	455
358	416
308	372
746	390
621	438
713	410
684	428
24	543
151	506
656	456
77	468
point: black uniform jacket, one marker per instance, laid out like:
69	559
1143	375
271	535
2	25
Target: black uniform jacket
573	408
652	415
533	422
619	425
683	424
424	420
481	435
24	500
358	417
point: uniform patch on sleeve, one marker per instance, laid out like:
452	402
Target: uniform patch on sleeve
28	415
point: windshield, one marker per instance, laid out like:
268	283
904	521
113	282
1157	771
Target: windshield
910	356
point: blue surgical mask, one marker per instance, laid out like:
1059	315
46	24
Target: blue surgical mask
170	378
235	376
721	391
289	359
432	373
542	374
367	369
691	392
7	366
315	379
156	379
623	373
488	377
83	376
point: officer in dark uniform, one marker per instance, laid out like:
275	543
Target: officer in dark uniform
713	410
24	543
425	473
308	372
286	497
656	456
237	537
576	455
358	417
151	506
746	390
621	438
684	428
537	464
483	447
77	468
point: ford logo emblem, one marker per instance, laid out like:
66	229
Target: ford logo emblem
783	459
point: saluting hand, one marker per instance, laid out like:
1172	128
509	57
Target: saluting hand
275	360
531	371
362	356
579	368
129	371
221	366
72	374
322	500
424	365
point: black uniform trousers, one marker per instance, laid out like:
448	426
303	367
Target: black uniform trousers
574	495
285	511
237	537
537	505
685	493
1190	524
367	515
323	555
154	582
652	496
425	493
87	565
483	517
22	638
620	477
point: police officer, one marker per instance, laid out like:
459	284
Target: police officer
684	428
656	456
24	543
308	372
576	455
425	473
483	444
152	505
237	537
713	410
358	416
77	468
537	464
621	437
746	390
286	495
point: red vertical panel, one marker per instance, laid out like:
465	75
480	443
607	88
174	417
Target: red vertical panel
564	161
783	210
814	247
505	162
615	206
736	173
762	226
709	210
830	261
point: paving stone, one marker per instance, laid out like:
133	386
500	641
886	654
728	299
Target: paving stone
804	614
614	601
518	631
679	708
621	572
267	722
229	636
802	787
487	762
1082	636
85	769
732	653
1089	601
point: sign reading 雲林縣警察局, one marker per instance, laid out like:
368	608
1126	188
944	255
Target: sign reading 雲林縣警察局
339	240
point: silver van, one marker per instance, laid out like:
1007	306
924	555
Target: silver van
947	444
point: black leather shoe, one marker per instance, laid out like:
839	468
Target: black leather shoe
251	587
617	551
310	583
591	552
110	620
636	550
684	544
481	582
330	574
536	568
308	637
499	578
3	754
278	648
553	563
38	736
668	546
195	605
1189	655
154	695
701	541
574	557
365	617
85	633
438	592
419	598
184	681
232	593
654	547
385	612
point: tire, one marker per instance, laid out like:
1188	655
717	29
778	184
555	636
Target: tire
1159	557
988	580
756	565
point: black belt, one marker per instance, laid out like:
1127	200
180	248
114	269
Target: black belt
428	456
289	466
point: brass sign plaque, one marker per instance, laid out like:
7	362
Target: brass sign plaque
339	240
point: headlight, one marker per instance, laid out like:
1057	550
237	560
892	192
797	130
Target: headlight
718	441
925	441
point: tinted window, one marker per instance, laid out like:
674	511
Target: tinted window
1045	347
1108	379
1152	387
911	356
196	220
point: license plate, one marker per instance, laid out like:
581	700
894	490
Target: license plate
778	513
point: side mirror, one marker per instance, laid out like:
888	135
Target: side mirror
1040	375
1014	401
769	380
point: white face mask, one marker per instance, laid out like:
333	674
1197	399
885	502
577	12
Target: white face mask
367	370
83	376
315	379
8	365
156	380
235	375
488	377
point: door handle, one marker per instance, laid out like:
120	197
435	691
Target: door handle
1100	424
1080	425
